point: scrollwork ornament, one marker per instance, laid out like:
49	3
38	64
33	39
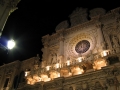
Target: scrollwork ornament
112	72
73	42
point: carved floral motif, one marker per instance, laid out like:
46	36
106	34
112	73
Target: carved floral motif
78	38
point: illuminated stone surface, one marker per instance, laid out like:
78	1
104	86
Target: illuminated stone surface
66	67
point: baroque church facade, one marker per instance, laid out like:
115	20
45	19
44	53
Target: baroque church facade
83	54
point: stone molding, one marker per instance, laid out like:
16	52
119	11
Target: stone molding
83	36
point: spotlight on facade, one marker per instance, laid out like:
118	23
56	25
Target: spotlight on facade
80	59
47	68
105	53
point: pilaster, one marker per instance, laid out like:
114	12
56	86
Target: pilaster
100	43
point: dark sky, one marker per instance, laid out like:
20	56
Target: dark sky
36	18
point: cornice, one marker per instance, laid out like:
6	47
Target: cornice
104	18
80	27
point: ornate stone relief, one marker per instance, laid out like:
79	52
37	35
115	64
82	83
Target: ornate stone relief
52	55
97	11
53	85
62	25
83	36
78	16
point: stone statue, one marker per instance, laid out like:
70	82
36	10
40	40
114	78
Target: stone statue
78	16
97	11
62	25
50	59
54	58
85	86
115	41
98	86
37	60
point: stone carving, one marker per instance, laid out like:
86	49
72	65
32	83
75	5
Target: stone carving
78	16
113	84
78	38
97	11
115	41
98	86
113	71
54	58
85	86
52	85
70	72
37	60
62	25
71	88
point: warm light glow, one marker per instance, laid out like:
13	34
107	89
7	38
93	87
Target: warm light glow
47	68
57	65
30	80
104	53
58	74
65	73
33	82
70	74
54	74
99	63
10	44
27	73
80	59
77	70
45	78
36	78
68	63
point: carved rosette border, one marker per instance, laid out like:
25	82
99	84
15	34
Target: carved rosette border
82	36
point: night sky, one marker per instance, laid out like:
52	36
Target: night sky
36	18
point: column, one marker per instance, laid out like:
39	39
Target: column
15	69
61	49
45	41
3	77
46	51
100	43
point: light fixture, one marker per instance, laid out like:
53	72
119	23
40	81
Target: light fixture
104	53
57	65
47	68
68	63
80	59
11	44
